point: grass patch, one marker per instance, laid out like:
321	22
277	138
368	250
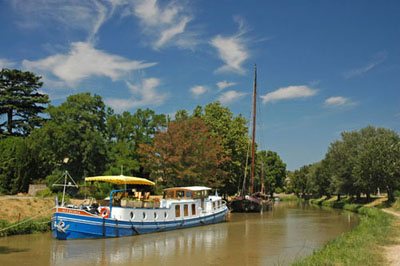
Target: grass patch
362	246
25	227
289	198
396	205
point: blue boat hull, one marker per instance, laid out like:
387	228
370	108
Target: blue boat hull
75	226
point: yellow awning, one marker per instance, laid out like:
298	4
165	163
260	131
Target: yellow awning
121	180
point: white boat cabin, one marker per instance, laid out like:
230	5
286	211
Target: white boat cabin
180	203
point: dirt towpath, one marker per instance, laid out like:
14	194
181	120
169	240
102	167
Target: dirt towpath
393	252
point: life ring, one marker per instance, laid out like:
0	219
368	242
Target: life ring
104	212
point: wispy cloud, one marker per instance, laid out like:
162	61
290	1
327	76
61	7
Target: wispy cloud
144	94
232	50
84	61
230	96
224	84
198	90
291	92
5	63
164	25
88	16
376	60
339	101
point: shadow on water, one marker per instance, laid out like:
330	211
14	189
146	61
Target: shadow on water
8	250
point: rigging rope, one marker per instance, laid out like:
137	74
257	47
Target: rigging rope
14	225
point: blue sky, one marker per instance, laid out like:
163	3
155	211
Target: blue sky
323	66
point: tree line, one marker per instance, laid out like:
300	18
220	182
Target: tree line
365	161
207	147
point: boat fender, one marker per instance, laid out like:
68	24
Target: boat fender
104	212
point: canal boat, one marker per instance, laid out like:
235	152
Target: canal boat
247	201
129	212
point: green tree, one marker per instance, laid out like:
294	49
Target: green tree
321	179
76	131
126	132
378	161
274	171
232	131
20	102
17	163
300	181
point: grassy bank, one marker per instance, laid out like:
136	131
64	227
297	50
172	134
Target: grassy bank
287	197
25	227
363	245
25	215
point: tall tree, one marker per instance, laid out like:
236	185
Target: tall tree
125	132
274	171
232	131
185	154
75	130
20	102
378	161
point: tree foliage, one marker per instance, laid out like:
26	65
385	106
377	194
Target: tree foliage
20	102
361	162
126	132
274	171
76	131
186	154
232	131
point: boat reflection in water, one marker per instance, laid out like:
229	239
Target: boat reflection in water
155	249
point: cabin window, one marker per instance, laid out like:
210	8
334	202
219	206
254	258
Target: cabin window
188	194
214	205
132	215
144	216
180	193
193	209
177	211
155	215
219	203
186	210
170	194
165	215
197	195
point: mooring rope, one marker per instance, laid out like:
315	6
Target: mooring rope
29	219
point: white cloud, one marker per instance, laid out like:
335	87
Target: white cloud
339	101
230	97
290	92
88	16
145	94
84	61
5	63
166	25
377	59
232	50
224	84
198	90
169	33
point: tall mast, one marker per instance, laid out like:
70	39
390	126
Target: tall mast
253	146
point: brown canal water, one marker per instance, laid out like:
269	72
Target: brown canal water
291	231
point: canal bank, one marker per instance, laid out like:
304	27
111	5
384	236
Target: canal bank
375	241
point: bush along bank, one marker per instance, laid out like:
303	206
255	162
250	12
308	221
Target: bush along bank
25	227
362	245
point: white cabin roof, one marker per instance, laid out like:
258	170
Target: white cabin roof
193	188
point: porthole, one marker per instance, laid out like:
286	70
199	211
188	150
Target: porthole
132	215
144	215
